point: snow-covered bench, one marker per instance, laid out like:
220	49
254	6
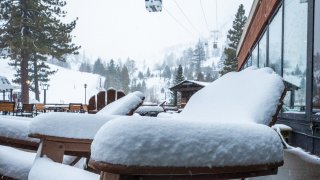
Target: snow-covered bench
223	132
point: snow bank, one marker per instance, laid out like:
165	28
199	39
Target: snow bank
124	105
16	128
44	168
69	125
247	96
15	163
148	141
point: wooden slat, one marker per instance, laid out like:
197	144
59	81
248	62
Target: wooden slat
60	139
17	143
147	170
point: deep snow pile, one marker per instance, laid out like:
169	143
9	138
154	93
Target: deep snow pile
44	168
211	131
15	127
15	163
69	125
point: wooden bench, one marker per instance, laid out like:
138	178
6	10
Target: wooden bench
39	108
7	107
119	161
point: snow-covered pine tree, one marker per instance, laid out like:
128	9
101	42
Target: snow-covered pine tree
125	80
199	55
179	75
34	27
234	35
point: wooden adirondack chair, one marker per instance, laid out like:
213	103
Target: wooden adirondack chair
206	141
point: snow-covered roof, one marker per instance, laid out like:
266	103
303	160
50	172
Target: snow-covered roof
190	82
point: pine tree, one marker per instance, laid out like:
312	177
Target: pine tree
234	35
140	75
200	76
99	68
179	75
125	80
166	72
148	74
199	56
30	29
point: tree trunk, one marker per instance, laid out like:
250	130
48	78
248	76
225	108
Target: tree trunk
36	79
24	78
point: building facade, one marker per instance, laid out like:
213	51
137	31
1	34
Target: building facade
285	35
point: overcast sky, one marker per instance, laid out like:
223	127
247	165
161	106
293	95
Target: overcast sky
124	28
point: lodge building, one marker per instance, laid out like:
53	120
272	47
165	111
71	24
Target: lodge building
285	35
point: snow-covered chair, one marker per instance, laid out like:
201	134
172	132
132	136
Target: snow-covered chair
61	133
72	134
223	132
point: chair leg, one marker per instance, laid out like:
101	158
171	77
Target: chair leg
53	150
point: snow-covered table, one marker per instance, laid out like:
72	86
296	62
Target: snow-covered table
223	132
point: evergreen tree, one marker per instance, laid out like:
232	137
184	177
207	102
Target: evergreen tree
234	35
179	75
199	56
148	74
125	80
99	68
30	29
200	76
85	67
166	72
140	75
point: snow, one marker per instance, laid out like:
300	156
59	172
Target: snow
246	96
123	105
282	127
145	141
69	125
15	163
146	109
205	134
15	127
44	168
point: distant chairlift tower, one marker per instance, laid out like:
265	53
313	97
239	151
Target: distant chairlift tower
154	5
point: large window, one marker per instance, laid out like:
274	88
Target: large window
275	40
254	57
263	51
295	53
316	60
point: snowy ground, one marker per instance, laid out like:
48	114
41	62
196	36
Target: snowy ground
66	86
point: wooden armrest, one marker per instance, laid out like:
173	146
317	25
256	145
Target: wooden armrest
55	147
18	143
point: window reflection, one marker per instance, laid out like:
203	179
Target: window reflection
295	53
254	57
316	60
275	39
263	51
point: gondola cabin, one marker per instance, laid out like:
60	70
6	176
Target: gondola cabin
154	5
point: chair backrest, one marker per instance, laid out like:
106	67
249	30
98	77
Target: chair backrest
7	106
246	96
92	103
39	107
28	108
75	107
124	106
111	95
120	94
101	100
